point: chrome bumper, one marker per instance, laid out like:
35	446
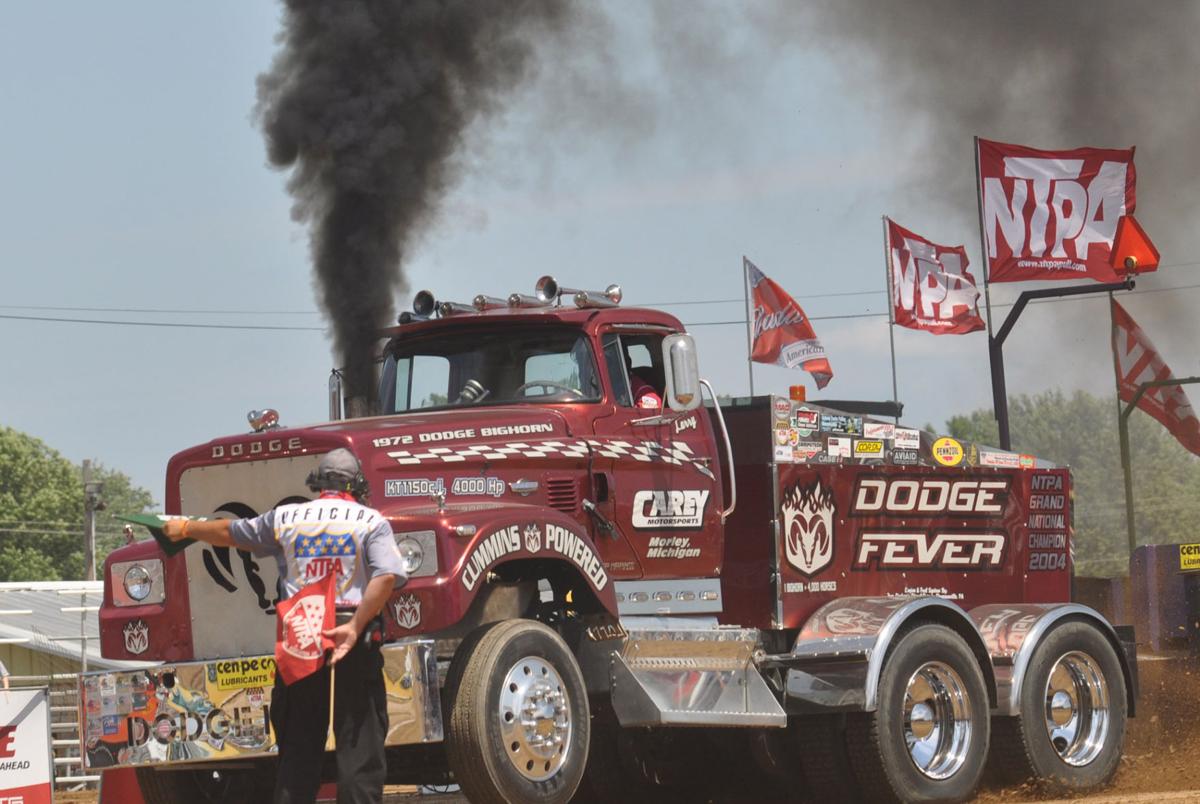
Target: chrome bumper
220	709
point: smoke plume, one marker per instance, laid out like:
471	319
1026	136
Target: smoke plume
367	103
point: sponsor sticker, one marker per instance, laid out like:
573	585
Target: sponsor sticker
807	421
972	457
838	447
906	457
1005	460
236	674
673	508
783	437
807	450
783	453
907	438
1189	556
947	451
868	449
879	430
1027	461
782	408
837	423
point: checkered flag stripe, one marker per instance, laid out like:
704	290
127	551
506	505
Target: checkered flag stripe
677	454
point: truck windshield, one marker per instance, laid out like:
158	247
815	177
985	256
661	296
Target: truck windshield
487	366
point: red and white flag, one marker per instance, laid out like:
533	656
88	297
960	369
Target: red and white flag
1053	214
782	333
1137	361
931	287
300	645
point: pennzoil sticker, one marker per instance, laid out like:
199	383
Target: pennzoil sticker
947	451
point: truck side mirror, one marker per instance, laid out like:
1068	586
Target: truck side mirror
682	372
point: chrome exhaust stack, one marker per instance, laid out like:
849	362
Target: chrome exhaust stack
447	308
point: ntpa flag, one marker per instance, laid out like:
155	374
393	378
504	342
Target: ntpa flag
782	334
299	644
1137	361
931	287
1053	214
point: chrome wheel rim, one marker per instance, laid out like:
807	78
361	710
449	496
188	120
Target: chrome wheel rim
937	720
1077	708
535	718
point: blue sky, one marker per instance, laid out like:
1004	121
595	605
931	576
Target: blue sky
132	176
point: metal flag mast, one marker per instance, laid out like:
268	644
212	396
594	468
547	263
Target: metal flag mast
749	322
887	274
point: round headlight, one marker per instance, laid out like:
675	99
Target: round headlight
411	555
137	582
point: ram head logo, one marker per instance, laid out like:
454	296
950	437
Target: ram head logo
808	527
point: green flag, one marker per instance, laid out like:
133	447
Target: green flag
154	524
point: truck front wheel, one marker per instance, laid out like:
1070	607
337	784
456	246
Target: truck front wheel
1073	709
927	740
519	724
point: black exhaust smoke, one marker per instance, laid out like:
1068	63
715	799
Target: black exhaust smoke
367	103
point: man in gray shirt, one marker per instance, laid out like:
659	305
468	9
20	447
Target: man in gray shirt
333	534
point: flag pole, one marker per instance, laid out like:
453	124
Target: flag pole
983	252
887	275
330	738
995	353
749	323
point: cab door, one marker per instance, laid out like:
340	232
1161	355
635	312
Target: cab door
661	467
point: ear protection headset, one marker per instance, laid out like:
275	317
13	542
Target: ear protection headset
338	478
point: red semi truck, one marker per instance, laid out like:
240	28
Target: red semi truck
602	595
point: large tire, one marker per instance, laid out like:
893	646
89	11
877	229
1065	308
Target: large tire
931	694
208	786
1071	729
496	755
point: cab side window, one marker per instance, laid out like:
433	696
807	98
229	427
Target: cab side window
634	360
614	360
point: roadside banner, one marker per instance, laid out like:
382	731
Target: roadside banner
1137	361
1052	214
930	286
25	770
782	334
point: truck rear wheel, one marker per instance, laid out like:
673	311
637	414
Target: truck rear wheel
518	728
1073	710
201	785
927	740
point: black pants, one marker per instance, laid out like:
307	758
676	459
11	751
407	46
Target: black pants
300	717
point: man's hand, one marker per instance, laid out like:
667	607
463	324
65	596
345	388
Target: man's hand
344	638
173	529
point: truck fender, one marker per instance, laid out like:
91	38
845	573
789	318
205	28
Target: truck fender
1012	632
533	533
837	660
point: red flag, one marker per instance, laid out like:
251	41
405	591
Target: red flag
1137	361
299	644
782	333
1053	214
931	287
